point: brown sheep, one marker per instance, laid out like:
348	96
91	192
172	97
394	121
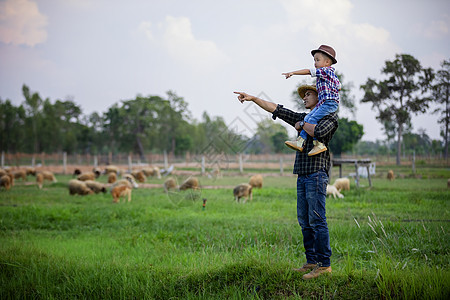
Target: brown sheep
20	174
256	181
5	181
121	191
190	183
97	172
3	172
49	176
128	180
243	190
86	176
170	184
78	187
342	184
112	177
30	171
390	175
152	171
139	176
111	169
95	186
40	180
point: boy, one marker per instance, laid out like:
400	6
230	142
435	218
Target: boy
328	87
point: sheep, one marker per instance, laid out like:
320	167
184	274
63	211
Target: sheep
390	175
95	186
256	181
332	190
3	172
243	190
78	187
76	172
86	176
97	172
20	174
190	183
216	172
169	184
30	171
49	176
121	191
5	181
128	180
111	169
152	171
112	177
139	176
342	184
40	180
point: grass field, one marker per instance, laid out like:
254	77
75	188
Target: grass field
390	241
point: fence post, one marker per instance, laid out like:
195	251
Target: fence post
64	163
3	159
166	163
241	167
203	165
95	161
33	161
130	164
281	165
414	162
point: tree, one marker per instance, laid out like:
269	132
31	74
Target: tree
270	137
402	93
346	136
33	104
441	89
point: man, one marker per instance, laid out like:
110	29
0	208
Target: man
312	178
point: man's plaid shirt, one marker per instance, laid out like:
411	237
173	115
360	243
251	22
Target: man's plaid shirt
323	132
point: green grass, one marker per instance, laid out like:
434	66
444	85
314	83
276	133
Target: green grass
390	241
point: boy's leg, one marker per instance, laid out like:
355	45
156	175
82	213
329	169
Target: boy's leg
326	108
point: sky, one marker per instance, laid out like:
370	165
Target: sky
101	52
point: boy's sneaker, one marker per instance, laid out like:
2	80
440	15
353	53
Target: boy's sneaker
316	272
306	267
296	145
318	148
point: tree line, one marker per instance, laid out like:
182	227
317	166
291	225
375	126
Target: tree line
156	124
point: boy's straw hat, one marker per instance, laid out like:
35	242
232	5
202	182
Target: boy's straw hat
302	90
327	50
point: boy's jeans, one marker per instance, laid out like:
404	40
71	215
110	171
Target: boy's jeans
318	113
311	196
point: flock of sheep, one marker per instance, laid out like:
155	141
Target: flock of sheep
85	182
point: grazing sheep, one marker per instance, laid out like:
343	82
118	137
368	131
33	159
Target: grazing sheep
390	175
20	174
256	181
111	169
332	190
190	183
30	171
170	184
112	177
121	191
342	184
86	176
152	171
5	181
78	187
97	172
40	180
139	176
76	172
128	180
2	172
49	176
243	190
96	186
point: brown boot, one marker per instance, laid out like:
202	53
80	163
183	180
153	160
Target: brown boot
296	145
318	148
316	272
306	267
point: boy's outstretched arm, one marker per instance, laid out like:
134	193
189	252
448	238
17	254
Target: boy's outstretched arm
299	72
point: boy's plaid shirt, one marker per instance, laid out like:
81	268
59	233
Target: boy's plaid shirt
323	131
327	84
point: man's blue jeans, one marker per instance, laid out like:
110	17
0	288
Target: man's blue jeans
311	196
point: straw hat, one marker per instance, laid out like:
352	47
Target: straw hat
327	50
302	90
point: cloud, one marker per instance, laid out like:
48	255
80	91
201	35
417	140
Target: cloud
435	29
177	37
21	23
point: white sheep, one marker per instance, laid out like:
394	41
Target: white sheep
78	187
152	171
86	176
243	190
332	190
96	186
256	181
111	169
342	184
49	176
